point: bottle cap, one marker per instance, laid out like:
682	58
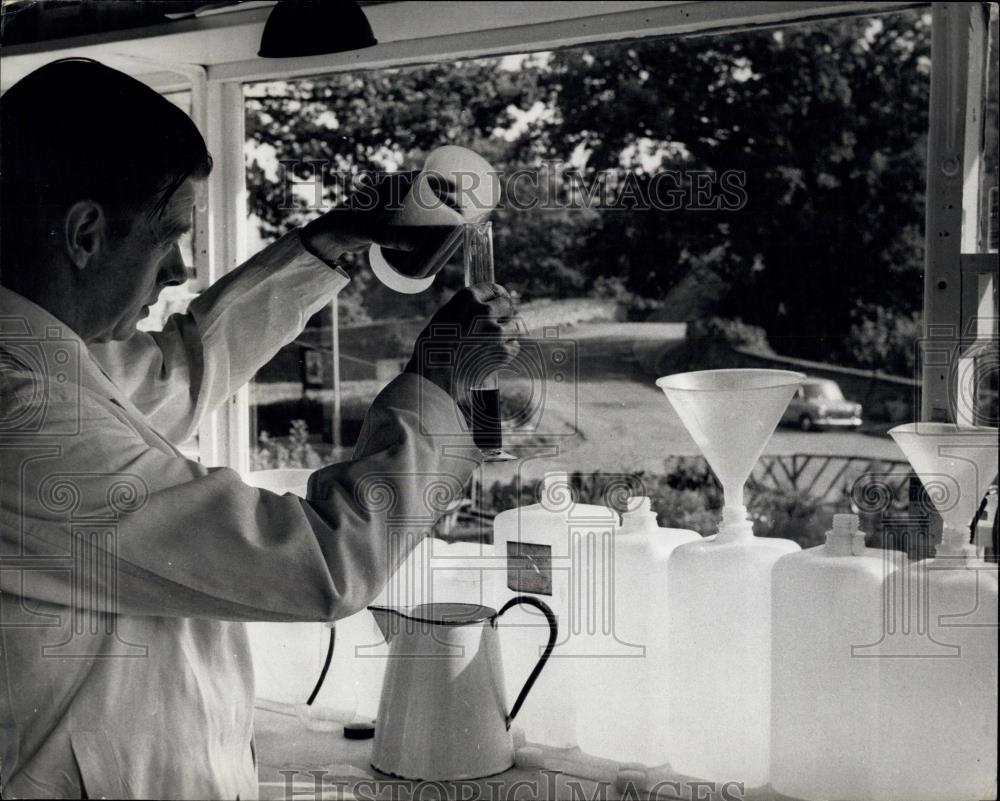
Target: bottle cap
639	517
360	730
556	492
639	505
518	737
529	758
555	478
844	539
845	523
629	779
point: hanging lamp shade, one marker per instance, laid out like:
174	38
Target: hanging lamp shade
315	28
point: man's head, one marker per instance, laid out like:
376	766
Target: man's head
97	182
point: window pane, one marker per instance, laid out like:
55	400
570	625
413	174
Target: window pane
752	199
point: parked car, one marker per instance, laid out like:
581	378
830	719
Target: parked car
819	403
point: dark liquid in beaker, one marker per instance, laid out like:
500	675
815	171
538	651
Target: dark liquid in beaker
429	256
484	407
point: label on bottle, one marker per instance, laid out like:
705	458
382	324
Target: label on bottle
529	568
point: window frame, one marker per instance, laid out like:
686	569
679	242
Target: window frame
960	280
959	43
959	275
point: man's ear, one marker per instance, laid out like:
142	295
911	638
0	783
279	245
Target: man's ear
85	231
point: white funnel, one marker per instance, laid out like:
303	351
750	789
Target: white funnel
956	465
731	414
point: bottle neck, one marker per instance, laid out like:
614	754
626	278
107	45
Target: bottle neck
736	525
954	544
845	543
637	524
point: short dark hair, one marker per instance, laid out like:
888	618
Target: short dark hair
78	130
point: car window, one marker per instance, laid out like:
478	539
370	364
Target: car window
831	391
826	390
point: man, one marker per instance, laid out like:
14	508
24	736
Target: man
126	569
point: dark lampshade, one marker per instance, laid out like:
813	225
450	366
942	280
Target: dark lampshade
314	28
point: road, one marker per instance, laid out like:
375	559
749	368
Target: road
614	418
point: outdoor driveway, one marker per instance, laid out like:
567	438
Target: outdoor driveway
614	418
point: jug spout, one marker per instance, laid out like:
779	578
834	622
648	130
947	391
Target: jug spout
383	617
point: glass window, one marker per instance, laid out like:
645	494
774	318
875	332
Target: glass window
826	390
753	199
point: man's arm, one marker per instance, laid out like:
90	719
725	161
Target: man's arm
178	375
196	542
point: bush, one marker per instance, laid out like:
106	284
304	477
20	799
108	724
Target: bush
795	516
685	495
296	452
886	340
636	307
285	413
732	332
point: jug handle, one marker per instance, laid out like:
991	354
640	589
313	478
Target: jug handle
536	671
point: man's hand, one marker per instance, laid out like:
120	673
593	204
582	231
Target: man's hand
362	220
469	337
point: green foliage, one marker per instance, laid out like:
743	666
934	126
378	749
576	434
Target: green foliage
295	452
827	121
636	307
790	515
685	495
885	339
731	332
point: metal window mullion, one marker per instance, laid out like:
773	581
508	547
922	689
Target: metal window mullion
225	435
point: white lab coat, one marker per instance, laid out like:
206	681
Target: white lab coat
126	569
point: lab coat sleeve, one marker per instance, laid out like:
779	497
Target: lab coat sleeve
179	539
178	375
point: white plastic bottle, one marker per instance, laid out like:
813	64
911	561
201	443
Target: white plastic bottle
543	551
719	652
938	716
827	613
629	678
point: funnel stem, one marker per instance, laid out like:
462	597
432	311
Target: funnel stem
736	524
732	497
954	541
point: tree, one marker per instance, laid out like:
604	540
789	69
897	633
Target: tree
391	120
826	121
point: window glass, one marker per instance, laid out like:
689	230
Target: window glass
823	391
753	199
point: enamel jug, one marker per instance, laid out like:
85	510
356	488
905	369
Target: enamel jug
443	715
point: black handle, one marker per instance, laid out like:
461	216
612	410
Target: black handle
553	634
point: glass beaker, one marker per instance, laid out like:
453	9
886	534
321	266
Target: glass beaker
483	389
